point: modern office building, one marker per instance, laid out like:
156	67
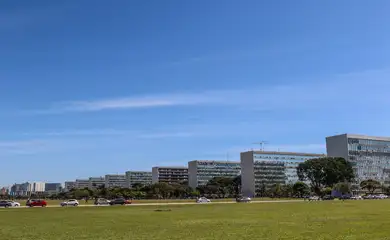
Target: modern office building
53	188
369	156
26	189
115	180
263	169
169	174
200	172
82	183
96	182
138	177
69	185
38	187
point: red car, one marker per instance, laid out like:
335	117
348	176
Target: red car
36	203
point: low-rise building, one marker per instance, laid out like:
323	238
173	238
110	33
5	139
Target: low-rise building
263	169
115	180
202	171
138	177
96	182
170	174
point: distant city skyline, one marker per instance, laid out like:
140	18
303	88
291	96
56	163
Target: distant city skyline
161	83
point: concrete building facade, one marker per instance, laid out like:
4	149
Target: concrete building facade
96	182
138	177
200	172
53	188
115	180
369	156
263	169
82	183
169	174
69	185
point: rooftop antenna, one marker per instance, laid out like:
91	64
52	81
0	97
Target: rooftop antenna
261	143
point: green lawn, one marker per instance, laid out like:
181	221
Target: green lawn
368	220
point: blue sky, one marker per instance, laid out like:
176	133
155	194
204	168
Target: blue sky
89	88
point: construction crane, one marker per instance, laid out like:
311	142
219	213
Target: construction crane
261	143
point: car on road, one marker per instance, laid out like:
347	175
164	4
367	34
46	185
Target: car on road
381	196
101	201
314	198
14	204
203	200
70	202
36	203
357	198
119	201
328	197
243	199
5	204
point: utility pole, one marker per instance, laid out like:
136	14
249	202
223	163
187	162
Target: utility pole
261	143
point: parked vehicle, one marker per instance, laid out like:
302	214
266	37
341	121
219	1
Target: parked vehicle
203	200
119	201
243	199
102	201
381	196
36	203
70	202
328	197
314	198
14	204
357	198
5	204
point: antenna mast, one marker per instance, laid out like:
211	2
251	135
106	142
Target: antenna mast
261	143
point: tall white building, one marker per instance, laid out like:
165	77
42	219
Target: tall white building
115	180
38	187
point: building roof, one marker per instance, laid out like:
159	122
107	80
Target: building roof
216	161
287	153
358	136
171	167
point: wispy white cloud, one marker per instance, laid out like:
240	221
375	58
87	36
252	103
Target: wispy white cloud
324	93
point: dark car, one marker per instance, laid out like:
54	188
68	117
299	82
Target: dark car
119	201
5	204
36	203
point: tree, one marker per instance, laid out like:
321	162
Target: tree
370	185
300	189
325	172
343	188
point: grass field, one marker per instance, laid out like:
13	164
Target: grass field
368	220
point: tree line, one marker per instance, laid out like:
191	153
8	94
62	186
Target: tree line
320	176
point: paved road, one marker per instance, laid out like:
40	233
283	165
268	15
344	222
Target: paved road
166	204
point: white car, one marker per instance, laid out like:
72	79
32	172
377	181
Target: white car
203	200
70	202
357	198
314	198
15	204
381	196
